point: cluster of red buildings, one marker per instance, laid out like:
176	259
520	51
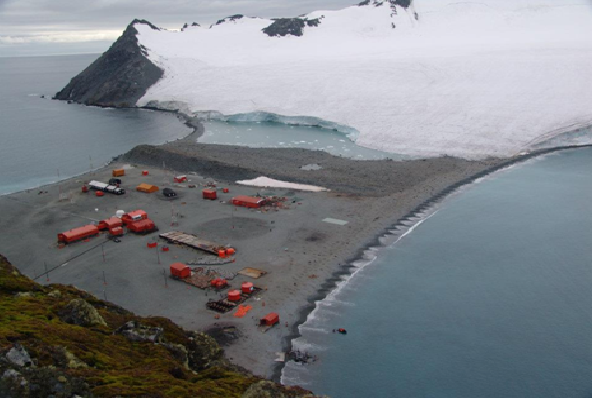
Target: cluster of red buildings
136	222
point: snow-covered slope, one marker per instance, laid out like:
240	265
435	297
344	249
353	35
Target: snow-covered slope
470	78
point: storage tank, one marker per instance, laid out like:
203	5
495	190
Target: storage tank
234	295
247	288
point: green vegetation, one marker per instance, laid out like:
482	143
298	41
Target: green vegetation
96	359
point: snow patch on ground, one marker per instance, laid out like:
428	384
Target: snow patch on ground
268	182
471	79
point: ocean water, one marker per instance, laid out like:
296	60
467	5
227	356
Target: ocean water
41	138
278	135
489	295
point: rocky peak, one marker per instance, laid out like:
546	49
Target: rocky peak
119	77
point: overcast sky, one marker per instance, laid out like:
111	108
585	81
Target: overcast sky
45	27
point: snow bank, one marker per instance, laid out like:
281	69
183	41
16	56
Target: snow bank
471	79
267	182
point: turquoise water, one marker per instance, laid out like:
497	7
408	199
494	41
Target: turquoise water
41	137
278	135
491	296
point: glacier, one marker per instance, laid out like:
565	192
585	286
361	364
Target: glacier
470	79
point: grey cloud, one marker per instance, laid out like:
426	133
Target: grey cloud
23	22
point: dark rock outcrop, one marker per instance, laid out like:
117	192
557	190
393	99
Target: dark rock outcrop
402	3
118	78
290	26
229	19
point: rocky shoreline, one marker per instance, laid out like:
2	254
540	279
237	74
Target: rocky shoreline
374	241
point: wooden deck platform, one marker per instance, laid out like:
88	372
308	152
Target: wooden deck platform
224	305
192	241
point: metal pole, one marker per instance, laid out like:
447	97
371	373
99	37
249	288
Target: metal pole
158	254
46	272
103	249
104	279
166	284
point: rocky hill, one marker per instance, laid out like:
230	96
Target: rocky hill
58	341
116	79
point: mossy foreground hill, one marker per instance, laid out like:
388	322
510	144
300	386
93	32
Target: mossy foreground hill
59	341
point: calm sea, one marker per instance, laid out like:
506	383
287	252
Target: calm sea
40	138
490	296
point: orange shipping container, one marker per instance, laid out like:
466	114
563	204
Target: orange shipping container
118	172
147	188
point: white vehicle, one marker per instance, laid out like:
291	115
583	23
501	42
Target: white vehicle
99	186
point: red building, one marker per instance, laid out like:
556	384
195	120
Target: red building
248	202
78	233
110	223
270	320
142	226
209	194
133	216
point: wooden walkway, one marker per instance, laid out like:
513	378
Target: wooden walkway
177	237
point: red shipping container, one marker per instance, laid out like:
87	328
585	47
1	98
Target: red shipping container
209	194
78	233
180	270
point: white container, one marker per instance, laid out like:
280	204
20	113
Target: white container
119	213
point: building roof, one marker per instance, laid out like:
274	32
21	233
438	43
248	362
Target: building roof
138	212
179	266
90	228
146	186
248	199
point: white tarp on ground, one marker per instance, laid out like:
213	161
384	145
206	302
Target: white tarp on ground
267	182
470	78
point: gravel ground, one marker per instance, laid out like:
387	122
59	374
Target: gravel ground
290	244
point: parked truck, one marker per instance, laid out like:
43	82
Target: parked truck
100	186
